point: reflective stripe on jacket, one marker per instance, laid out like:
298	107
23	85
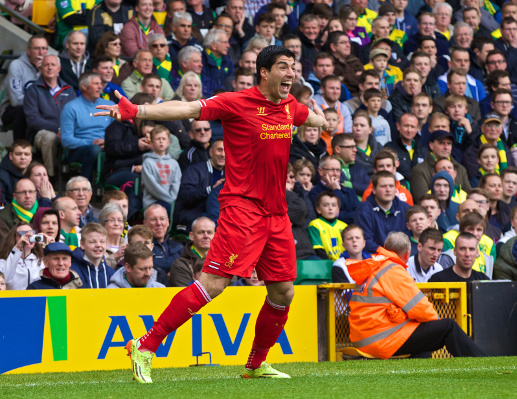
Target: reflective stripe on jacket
386	306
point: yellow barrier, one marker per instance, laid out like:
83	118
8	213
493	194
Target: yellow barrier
82	330
449	300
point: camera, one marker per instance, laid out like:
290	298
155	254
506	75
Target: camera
36	238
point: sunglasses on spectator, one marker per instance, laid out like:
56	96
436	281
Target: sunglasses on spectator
201	129
156	45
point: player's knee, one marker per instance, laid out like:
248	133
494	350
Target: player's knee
281	293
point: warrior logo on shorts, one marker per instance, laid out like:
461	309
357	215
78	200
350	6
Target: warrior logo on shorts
231	259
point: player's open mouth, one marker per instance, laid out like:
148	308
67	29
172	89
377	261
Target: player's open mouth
286	86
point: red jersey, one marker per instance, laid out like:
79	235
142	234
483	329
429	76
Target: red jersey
257	139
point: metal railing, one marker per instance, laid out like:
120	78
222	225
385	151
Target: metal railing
27	22
448	299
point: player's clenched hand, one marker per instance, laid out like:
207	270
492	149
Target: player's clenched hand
319	112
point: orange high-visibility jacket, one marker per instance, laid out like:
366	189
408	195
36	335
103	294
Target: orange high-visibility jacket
386	305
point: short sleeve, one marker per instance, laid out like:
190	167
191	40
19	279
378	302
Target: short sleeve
217	107
301	115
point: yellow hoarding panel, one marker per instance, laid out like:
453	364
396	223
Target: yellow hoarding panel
79	330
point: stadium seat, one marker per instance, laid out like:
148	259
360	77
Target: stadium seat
313	272
100	182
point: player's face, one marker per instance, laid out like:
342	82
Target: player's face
280	79
139	274
328	207
94	245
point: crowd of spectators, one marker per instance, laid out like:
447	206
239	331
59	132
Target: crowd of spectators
422	136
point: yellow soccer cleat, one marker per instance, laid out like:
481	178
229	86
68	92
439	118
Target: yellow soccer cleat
264	371
141	362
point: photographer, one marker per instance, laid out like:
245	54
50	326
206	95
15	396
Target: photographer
21	256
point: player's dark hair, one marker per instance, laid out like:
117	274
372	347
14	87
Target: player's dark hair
268	56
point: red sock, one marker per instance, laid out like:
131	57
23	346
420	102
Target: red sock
182	307
270	323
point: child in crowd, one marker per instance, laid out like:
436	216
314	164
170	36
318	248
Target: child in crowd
325	231
379	63
161	175
432	206
332	117
303	173
3	286
456	107
381	127
353	243
488	159
417	220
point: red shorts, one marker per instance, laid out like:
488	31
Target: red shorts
245	241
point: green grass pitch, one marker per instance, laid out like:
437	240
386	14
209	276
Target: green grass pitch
430	378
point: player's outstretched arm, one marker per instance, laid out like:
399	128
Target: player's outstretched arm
316	117
166	111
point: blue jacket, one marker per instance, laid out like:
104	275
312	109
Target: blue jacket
165	253
78	126
43	109
46	283
447	217
376	224
196	186
175	46
347	196
475	86
212	76
9	175
409	26
90	276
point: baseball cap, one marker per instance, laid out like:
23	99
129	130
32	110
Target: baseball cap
386	8
440	134
57	247
491	117
378	51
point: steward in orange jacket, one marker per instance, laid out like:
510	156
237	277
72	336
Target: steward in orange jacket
386	306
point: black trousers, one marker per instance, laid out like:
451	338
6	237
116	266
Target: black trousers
433	335
16	117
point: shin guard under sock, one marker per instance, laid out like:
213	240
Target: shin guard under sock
270	323
181	308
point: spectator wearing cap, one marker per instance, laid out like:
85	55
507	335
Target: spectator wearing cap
380	34
491	133
57	274
379	63
440	146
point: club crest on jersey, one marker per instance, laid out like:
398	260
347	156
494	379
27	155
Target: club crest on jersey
261	111
287	111
231	259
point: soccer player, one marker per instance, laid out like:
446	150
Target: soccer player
254	230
